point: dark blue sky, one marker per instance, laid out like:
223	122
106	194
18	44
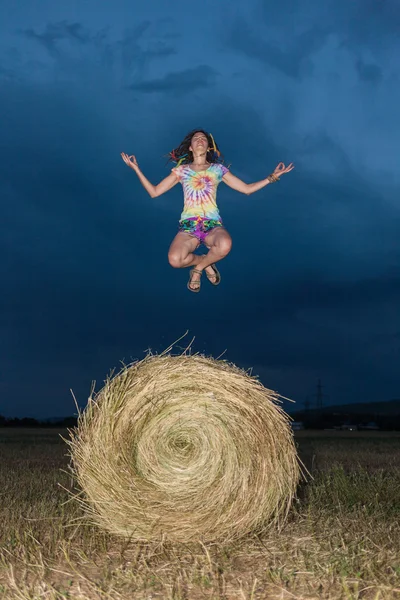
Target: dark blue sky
312	285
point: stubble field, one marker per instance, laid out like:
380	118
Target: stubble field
341	541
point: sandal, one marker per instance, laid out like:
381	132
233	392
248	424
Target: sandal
198	283
217	275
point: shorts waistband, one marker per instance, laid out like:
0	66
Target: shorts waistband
200	220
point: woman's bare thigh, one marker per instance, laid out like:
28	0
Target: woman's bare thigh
216	236
183	244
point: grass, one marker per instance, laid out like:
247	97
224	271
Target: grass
342	539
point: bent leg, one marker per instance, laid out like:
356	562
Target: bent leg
180	253
219	243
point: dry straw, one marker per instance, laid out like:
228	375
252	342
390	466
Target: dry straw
186	447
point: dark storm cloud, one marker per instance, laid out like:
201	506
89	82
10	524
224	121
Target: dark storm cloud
317	325
79	231
72	241
368	72
368	22
312	281
319	143
300	296
55	32
302	29
136	48
289	57
338	297
357	22
182	82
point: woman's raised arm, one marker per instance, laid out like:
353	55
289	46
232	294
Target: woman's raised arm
249	188
153	190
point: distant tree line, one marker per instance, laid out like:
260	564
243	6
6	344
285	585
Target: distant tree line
310	419
325	420
30	422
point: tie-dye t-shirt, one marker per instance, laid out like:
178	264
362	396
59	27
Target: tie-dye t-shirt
200	190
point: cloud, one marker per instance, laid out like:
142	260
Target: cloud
300	39
365	22
55	32
290	57
369	22
80	294
310	326
368	72
342	296
136	48
182	82
305	298
320	148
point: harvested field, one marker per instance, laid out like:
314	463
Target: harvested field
341	540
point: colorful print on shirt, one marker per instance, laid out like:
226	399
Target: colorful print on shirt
200	190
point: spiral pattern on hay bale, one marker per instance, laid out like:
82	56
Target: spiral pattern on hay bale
185	447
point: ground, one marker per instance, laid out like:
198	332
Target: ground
341	539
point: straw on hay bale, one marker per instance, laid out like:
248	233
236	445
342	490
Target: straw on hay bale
186	447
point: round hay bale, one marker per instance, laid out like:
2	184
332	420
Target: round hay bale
186	447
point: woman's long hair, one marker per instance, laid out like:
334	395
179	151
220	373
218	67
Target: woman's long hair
182	155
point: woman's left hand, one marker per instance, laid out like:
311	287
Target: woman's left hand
281	169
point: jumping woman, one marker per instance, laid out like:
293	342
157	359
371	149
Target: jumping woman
200	168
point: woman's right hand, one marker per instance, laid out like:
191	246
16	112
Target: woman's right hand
130	161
